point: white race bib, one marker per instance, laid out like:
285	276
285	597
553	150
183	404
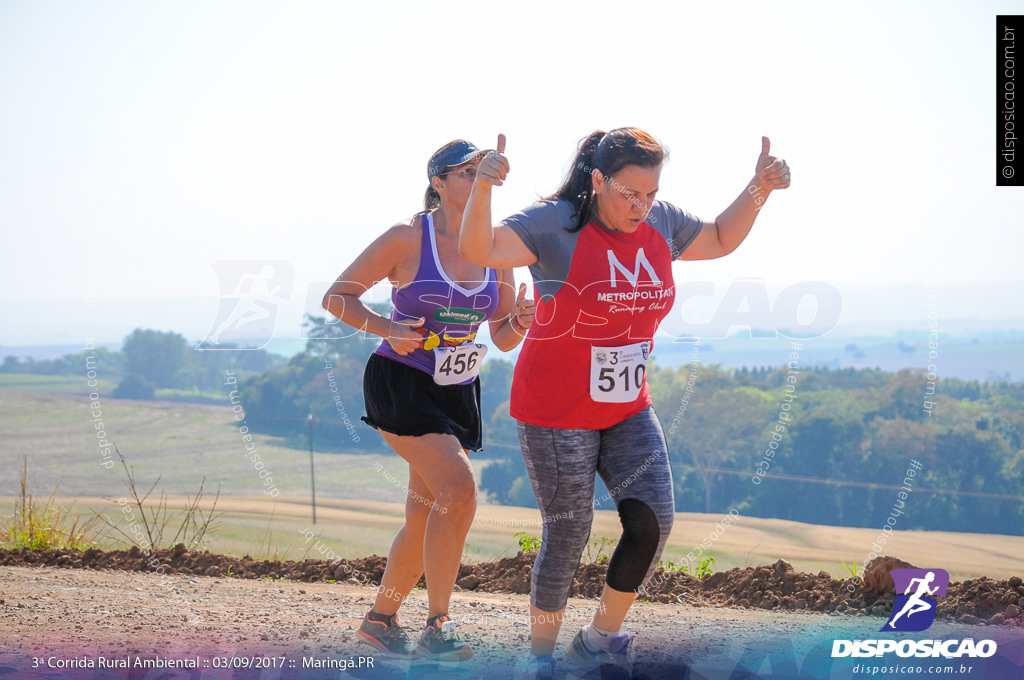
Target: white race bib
454	365
617	373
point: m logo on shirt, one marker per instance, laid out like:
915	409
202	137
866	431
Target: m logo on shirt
631	275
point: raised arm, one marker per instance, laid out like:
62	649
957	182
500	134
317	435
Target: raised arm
499	246
727	232
379	261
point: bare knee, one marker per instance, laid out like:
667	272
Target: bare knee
458	500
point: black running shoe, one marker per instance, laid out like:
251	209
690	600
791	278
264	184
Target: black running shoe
387	636
440	642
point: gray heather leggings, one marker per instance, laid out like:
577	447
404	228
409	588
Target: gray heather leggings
632	459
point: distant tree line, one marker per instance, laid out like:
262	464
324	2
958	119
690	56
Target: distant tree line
841	452
326	381
838	456
845	448
150	360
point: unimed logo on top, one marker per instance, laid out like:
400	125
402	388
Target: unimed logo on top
916	590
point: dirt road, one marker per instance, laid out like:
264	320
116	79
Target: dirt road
58	619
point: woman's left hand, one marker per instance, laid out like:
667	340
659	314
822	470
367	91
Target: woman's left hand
494	167
524	308
772	173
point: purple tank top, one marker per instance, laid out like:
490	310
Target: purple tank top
452	314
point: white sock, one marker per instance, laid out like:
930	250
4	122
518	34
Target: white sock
599	639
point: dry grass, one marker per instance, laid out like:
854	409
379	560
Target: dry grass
155	519
42	525
187	443
264	528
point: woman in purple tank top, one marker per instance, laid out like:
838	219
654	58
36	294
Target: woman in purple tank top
422	390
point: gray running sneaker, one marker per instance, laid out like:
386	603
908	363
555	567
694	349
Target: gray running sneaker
583	661
387	636
440	642
535	668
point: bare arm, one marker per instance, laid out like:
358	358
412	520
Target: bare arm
378	262
499	246
727	232
510	314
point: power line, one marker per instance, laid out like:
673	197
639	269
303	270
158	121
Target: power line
774	475
868	485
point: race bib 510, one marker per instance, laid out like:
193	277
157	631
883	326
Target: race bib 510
617	373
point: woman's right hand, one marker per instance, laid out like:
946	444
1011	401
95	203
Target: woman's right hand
494	166
401	336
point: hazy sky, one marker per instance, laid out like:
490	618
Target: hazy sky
142	142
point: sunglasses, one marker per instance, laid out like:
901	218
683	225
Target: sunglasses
467	172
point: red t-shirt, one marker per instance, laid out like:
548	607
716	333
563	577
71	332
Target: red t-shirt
600	295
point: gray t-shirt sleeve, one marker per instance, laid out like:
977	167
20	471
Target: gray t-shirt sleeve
544	229
537	224
678	227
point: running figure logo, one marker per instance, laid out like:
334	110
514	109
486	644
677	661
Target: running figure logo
914	609
251	291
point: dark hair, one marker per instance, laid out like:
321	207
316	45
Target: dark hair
609	153
431	199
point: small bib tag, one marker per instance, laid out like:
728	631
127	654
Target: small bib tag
617	373
454	365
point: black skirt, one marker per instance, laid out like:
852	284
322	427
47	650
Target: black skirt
407	402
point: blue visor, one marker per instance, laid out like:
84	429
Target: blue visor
458	153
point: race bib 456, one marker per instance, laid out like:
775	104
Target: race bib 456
454	365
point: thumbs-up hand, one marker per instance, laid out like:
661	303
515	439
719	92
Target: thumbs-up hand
494	167
524	309
771	172
403	336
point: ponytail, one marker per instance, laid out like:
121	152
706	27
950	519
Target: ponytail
578	186
431	202
431	199
609	153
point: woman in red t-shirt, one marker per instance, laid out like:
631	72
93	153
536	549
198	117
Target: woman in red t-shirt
600	251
